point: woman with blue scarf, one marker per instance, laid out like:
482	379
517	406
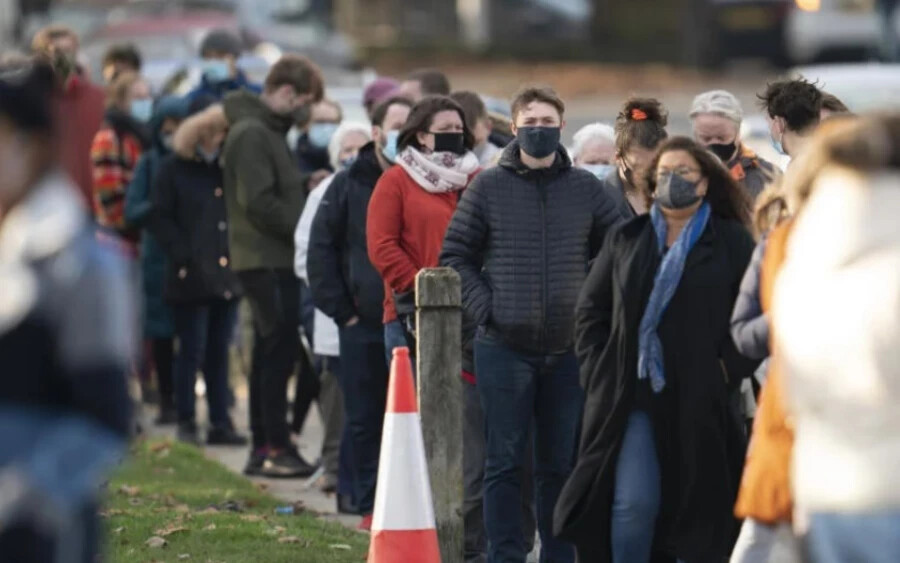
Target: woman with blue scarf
662	444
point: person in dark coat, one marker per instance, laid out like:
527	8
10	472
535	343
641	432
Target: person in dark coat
159	327
662	445
640	128
521	240
189	221
67	333
220	51
346	287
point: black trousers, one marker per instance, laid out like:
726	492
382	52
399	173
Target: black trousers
274	298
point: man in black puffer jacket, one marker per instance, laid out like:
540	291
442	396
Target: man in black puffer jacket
521	240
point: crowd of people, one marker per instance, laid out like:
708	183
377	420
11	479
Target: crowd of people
636	306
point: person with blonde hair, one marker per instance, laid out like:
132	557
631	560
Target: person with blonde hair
716	118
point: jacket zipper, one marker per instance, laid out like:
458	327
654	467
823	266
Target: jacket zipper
543	195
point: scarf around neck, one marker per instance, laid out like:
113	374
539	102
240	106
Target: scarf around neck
665	282
438	172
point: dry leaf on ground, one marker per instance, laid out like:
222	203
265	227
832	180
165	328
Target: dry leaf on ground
252	518
130	491
182	509
173	528
111	512
160	446
210	528
184	555
341	546
289	539
119	530
156	542
209	510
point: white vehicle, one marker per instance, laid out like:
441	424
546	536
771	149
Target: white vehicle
862	87
828	28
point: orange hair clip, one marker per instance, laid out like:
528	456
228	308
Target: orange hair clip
638	115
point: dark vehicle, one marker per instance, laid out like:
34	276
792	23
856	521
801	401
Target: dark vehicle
748	29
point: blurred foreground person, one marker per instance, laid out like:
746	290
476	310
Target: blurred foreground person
841	361
521	241
66	340
640	128
832	106
662	446
594	149
348	289
716	121
336	453
78	105
158	323
189	221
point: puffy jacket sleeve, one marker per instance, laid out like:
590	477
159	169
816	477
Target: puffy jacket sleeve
257	190
163	223
749	326
384	224
325	255
606	216
594	310
464	248
137	195
304	227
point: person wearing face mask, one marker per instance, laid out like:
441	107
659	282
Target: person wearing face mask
219	53
640	128
662	449
716	122
347	288
312	145
323	336
480	124
412	205
521	240
115	153
794	108
67	333
189	221
594	149
264	194
157	315
78	104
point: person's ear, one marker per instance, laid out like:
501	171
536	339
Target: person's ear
703	187
513	129
376	134
562	124
422	138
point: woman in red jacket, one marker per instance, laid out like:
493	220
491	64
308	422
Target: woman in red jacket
413	203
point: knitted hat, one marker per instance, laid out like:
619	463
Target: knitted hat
222	41
379	90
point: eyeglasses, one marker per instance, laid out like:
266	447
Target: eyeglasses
681	171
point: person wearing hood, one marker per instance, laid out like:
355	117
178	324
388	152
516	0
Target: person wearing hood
412	205
346	288
716	121
640	128
264	195
662	445
189	221
219	53
67	333
521	239
157	315
115	153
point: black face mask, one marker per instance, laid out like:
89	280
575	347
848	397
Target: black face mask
676	192
538	142
723	151
449	142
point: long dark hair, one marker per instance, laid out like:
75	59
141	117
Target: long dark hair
725	196
421	117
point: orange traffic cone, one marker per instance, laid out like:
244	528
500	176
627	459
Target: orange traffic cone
403	529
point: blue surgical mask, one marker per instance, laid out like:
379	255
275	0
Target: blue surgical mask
347	162
216	70
778	146
142	110
320	134
208	157
601	171
389	150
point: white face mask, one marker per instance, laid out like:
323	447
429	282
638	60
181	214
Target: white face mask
293	136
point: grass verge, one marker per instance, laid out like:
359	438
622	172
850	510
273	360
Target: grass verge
169	492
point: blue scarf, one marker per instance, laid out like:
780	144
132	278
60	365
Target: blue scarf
668	276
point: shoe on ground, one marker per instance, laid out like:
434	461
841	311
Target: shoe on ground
255	462
188	433
167	415
225	437
287	463
345	505
327	483
365	525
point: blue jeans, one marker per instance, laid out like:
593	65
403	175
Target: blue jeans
637	493
364	381
395	337
516	388
872	537
204	332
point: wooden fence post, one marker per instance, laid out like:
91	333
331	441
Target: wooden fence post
439	348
